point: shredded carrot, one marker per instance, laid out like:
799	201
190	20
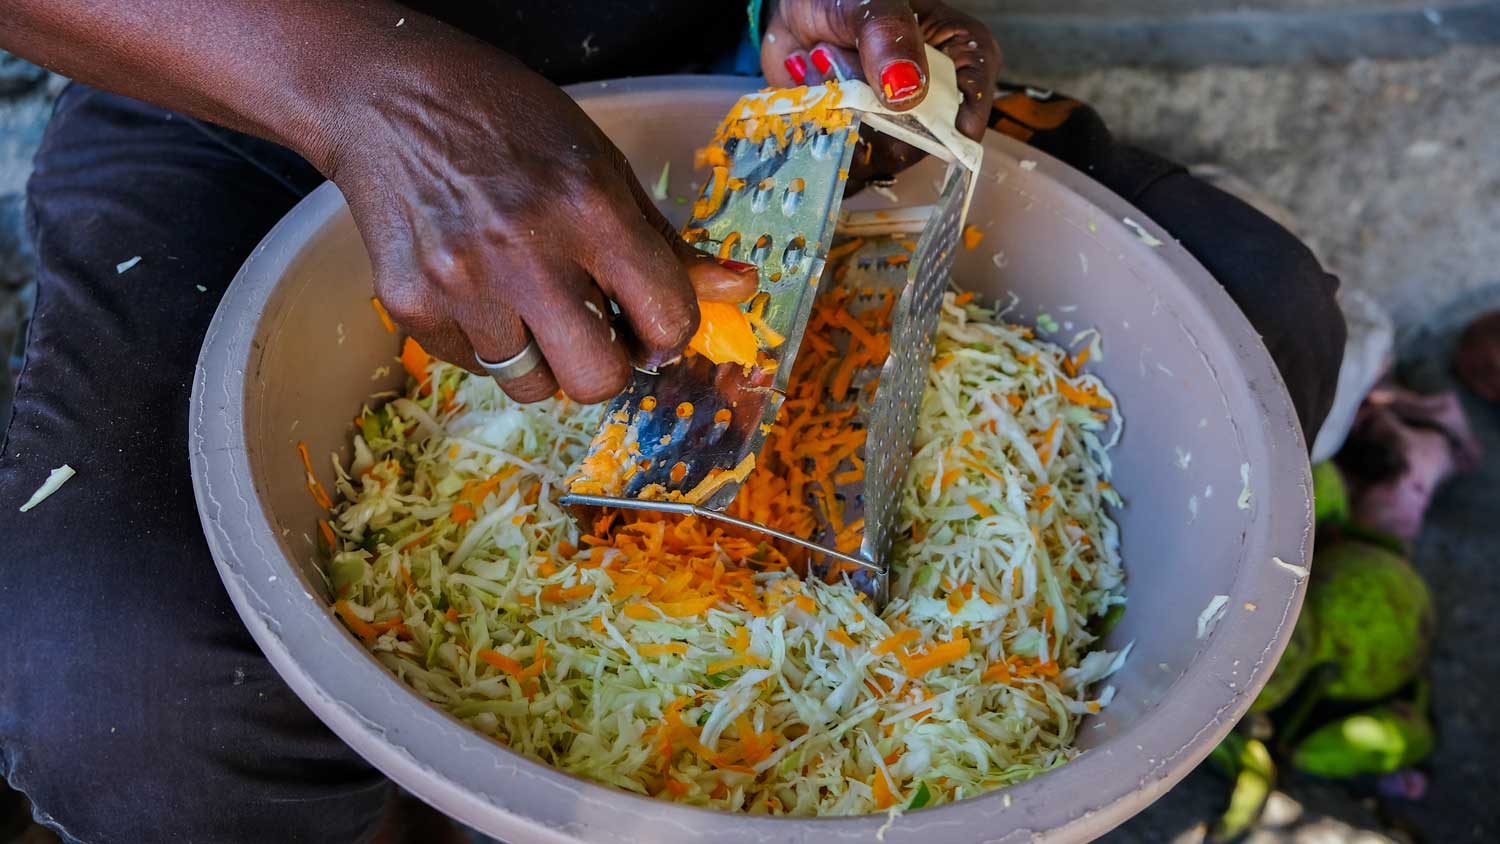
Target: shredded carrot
327	531
319	494
935	657
838	635
1084	397
678	648
964	298
972	236
361	628
385	317
555	593
884	795
500	661
416	361
984	510
895	641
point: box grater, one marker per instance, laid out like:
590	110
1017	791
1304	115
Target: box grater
681	440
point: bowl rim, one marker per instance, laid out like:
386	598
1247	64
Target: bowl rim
396	729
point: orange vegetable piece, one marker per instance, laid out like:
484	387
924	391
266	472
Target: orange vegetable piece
972	236
385	316
724	334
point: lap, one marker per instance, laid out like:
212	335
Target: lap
134	705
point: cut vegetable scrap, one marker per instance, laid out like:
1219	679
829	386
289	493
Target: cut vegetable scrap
676	658
55	479
724	334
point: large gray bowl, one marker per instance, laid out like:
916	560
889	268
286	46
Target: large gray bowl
292	353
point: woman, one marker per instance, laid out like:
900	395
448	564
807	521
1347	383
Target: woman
134	707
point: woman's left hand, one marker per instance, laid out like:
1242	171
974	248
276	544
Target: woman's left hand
880	41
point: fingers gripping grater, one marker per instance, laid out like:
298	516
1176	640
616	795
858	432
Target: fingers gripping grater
682	439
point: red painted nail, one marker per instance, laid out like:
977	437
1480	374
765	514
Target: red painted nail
737	266
901	80
797	67
822	60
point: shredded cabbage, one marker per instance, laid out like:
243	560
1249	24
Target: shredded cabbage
449	557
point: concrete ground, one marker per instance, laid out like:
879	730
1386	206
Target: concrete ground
1392	169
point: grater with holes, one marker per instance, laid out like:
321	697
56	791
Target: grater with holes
682	439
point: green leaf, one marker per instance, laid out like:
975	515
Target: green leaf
921	798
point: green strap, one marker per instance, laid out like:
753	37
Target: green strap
753	11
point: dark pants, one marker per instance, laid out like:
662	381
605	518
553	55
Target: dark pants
134	707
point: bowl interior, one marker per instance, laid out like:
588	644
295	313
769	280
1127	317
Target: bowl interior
1211	464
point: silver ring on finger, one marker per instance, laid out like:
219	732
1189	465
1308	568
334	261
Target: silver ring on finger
519	365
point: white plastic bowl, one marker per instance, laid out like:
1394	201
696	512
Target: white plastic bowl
290	356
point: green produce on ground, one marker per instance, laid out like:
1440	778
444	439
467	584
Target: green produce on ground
1376	741
1374	619
1296	661
1330	497
1248	762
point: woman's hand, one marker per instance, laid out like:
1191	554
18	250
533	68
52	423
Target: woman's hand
880	41
495	211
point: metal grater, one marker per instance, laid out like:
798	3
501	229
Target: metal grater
679	440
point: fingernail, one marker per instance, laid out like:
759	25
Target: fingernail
737	266
901	80
797	67
821	60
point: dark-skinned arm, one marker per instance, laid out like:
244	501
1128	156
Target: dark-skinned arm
494	210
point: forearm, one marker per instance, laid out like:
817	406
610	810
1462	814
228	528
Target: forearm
291	71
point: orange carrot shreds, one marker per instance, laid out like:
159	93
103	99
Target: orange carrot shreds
385	316
984	510
361	628
713	194
501	662
710	156
806	604
972	236
406	578
846	248
895	642
1016	403
726	246
1074	364
597	624
461	513
948	478
897	260
884	794
327	531
838	635
964	298
983	469
724	334
935	657
416	361
955	602
999	672
557	594
662	649
1086	397
319	494
942	362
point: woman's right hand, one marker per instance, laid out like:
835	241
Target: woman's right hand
495	211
